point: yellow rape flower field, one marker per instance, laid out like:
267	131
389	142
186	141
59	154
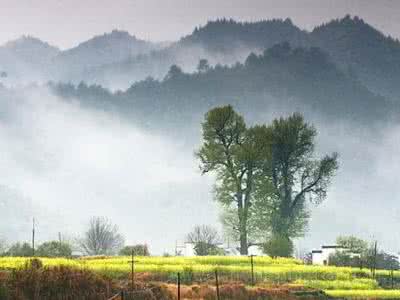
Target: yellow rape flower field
341	282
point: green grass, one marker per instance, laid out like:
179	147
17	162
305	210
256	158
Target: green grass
354	284
364	294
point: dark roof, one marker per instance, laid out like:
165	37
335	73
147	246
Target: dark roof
333	247
316	251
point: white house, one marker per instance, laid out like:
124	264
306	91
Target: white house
187	249
321	256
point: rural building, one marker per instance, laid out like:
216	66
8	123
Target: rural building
321	256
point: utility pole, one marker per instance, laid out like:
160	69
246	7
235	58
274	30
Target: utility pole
375	254
132	270
33	237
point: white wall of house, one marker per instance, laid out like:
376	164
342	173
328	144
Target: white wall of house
321	256
255	250
317	257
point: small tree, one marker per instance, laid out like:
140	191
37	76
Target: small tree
205	239
101	238
54	249
3	246
138	250
352	243
203	66
279	245
344	259
21	250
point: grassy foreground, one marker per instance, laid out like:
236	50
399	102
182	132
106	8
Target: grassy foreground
341	282
364	294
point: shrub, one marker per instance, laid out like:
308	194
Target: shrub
278	246
138	250
54	249
56	282
21	250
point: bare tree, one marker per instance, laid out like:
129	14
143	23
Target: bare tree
205	239
3	246
101	238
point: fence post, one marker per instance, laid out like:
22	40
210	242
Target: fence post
179	286
392	276
217	283
132	270
252	269
375	254
122	295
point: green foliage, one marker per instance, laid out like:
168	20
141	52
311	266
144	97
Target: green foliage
278	246
346	259
19	249
360	254
54	249
352	243
205	240
234	153
266	175
294	174
3	247
387	261
364	294
354	284
138	250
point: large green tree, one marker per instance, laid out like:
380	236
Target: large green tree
235	153
294	174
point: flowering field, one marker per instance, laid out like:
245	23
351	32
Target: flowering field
336	281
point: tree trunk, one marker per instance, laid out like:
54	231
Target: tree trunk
243	241
242	214
243	233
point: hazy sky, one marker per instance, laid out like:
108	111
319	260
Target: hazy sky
65	23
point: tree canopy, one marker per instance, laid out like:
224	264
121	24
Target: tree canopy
266	174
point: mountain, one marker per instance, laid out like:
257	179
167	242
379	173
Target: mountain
118	59
25	59
227	35
101	50
29	59
220	42
363	51
282	78
31	50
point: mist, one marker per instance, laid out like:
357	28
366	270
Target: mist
76	163
64	163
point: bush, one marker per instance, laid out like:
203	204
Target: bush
344	259
138	250
278	246
56	283
20	250
54	249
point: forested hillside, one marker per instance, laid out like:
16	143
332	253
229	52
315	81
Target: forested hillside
281	78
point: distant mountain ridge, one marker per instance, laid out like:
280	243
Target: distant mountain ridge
118	59
223	35
282	78
29	48
364	51
103	49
